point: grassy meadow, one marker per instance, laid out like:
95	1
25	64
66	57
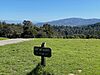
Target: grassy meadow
69	56
3	38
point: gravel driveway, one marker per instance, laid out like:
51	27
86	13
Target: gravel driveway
12	41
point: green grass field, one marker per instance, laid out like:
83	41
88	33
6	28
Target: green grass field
3	38
68	56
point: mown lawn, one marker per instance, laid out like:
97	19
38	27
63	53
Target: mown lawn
68	56
3	38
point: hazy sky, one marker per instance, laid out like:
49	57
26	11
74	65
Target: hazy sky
47	10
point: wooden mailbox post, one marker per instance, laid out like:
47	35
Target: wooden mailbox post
43	52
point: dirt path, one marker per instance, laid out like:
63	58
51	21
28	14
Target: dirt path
12	41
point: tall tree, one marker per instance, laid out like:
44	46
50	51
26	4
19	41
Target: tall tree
27	29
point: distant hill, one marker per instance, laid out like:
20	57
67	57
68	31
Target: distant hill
72	22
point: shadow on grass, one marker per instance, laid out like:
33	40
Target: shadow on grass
39	70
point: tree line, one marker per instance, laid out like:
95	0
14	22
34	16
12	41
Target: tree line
29	30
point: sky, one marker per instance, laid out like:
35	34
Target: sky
48	10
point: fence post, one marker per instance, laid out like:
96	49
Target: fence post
43	62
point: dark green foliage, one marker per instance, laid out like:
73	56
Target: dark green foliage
28	30
90	31
10	30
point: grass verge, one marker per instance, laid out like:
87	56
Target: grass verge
3	38
69	56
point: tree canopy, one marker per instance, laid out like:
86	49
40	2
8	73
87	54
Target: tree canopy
28	30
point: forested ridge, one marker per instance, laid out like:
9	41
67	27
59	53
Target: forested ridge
29	30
